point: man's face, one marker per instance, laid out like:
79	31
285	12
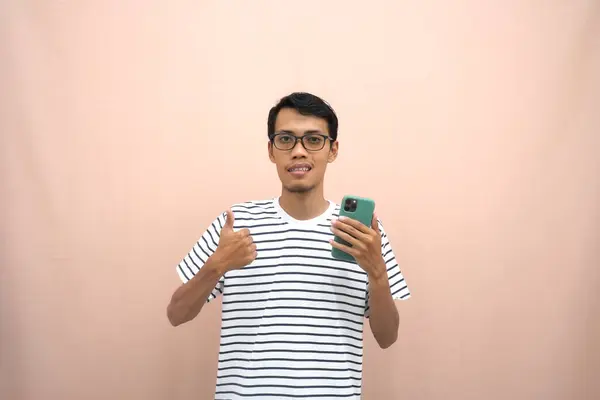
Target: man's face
301	170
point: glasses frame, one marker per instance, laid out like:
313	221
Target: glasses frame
300	139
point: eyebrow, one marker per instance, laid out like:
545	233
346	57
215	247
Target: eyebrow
305	132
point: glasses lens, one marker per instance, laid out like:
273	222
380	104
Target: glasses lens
284	141
313	142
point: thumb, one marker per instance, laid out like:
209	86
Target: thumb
229	221
375	224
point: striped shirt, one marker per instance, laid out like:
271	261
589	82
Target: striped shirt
292	320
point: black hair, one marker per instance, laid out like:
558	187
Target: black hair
305	104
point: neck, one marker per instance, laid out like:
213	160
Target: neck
304	206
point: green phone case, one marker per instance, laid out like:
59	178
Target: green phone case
365	208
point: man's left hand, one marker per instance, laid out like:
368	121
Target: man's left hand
365	244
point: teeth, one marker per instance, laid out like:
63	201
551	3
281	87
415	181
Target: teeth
299	169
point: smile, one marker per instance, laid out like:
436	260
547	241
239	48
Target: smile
299	170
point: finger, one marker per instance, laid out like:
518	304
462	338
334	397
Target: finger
229	220
359	226
342	247
250	258
375	224
244	232
345	236
351	230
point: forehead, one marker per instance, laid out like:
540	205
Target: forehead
291	120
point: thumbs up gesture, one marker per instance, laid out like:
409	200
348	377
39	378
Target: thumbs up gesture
236	249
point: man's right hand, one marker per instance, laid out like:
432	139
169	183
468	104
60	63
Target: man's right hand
235	249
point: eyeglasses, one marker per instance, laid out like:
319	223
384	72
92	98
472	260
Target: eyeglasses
310	141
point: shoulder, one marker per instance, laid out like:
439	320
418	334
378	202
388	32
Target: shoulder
256	203
254	209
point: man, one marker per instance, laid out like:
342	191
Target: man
292	316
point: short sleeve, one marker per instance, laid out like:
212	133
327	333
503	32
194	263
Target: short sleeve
398	286
199	254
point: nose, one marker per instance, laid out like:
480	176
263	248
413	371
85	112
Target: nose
298	150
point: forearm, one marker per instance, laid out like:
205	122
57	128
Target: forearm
188	300
383	316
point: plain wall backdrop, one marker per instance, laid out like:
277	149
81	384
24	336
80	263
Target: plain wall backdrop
127	126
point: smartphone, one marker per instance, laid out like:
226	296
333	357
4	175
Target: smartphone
358	208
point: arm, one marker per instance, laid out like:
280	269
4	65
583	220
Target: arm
383	318
372	251
218	251
188	300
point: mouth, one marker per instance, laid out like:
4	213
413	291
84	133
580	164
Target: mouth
299	170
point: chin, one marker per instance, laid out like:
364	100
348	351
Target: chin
298	188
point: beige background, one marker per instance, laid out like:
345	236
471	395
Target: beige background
127	126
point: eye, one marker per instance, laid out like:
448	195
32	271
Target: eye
315	139
285	138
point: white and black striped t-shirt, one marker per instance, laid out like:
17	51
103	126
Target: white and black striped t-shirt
292	320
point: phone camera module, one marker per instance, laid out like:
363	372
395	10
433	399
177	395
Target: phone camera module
350	205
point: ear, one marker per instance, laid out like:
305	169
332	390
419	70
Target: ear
270	150
333	151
